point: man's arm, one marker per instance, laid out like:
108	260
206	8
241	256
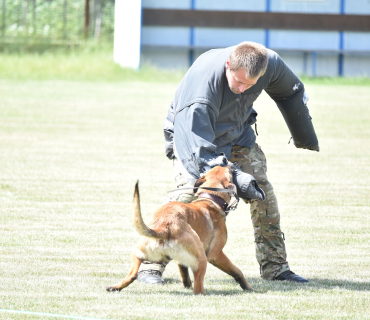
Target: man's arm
194	136
168	133
288	92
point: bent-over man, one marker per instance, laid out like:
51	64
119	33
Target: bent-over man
211	117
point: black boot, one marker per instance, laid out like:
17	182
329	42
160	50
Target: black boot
150	276
290	276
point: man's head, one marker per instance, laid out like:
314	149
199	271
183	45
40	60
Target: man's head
246	64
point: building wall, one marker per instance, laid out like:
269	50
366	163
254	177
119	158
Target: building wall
306	52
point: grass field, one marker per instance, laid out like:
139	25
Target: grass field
70	153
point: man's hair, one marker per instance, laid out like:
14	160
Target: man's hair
250	56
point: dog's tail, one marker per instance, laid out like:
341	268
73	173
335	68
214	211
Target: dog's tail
139	223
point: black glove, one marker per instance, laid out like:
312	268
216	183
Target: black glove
246	185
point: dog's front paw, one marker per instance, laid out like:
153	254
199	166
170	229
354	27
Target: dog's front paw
112	289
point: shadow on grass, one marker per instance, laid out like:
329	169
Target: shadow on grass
327	284
261	286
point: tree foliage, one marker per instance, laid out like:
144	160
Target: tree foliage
55	20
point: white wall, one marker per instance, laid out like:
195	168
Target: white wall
357	41
223	37
356	66
327	44
304	40
167	4
165	57
231	5
306	6
357	6
166	36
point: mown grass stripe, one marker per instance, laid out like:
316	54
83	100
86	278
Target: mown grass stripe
43	314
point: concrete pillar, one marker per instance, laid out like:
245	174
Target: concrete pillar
127	33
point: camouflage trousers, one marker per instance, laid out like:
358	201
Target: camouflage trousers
269	239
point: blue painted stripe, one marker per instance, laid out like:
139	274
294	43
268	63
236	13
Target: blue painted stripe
341	42
267	38
192	33
267	31
305	64
340	64
340	55
191	57
314	55
268	5
141	33
192	36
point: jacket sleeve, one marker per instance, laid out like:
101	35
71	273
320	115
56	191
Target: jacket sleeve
288	92
168	133
194	129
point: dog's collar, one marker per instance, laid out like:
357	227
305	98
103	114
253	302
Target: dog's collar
221	202
229	207
226	208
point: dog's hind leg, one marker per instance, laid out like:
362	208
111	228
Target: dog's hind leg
190	252
199	268
136	262
184	272
199	274
222	262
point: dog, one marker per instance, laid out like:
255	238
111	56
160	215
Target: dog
190	234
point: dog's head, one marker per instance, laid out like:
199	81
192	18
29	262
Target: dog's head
217	177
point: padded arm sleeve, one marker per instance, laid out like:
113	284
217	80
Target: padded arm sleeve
289	94
298	120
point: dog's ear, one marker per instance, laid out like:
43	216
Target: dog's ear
198	183
231	187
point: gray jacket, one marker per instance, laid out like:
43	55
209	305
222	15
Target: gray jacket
206	118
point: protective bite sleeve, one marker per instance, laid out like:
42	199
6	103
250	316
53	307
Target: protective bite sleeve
246	185
298	120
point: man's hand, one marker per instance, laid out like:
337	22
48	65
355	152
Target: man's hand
246	185
221	160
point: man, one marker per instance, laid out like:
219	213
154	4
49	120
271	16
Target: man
211	117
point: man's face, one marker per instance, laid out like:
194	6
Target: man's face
237	80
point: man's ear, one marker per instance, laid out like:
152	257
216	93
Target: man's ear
227	64
198	183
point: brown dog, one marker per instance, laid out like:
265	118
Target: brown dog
191	234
